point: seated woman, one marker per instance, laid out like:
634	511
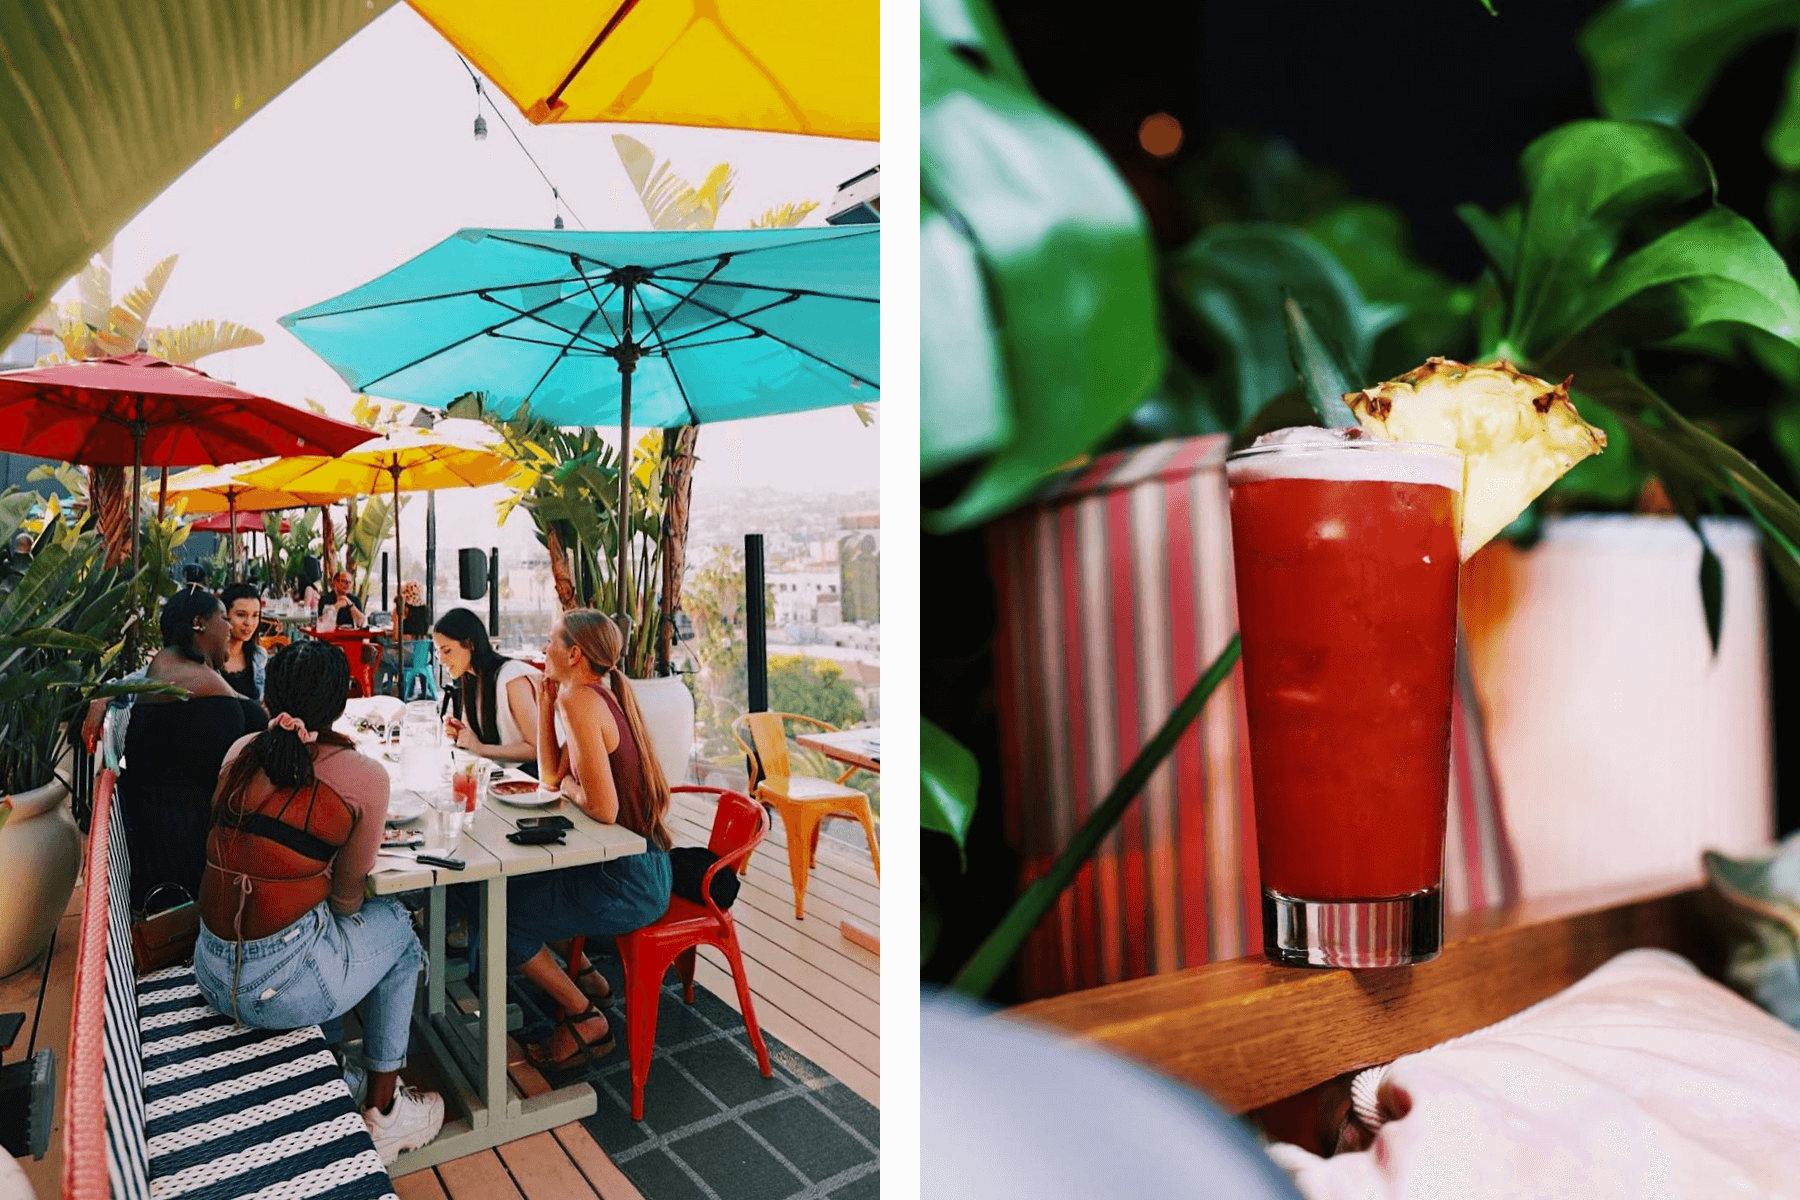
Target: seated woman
495	697
174	745
607	768
288	937
245	659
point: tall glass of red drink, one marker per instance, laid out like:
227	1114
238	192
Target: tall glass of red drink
1346	559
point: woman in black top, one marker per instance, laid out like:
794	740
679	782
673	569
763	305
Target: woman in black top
245	659
174	746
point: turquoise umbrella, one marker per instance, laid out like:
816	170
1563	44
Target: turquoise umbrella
666	329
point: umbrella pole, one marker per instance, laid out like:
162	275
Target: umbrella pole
627	364
399	625
162	495
231	532
137	472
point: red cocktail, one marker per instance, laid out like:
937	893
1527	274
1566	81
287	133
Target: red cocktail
1346	559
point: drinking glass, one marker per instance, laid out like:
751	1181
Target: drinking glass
1346	561
442	824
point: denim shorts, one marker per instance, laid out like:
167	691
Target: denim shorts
319	968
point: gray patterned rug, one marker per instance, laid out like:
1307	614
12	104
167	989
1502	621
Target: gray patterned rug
713	1127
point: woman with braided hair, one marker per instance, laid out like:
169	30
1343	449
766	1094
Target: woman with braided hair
593	746
288	937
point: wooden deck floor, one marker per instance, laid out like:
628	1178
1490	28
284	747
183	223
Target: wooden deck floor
19	992
814	989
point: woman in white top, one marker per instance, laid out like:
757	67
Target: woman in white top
496	698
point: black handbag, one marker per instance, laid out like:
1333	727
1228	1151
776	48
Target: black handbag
689	865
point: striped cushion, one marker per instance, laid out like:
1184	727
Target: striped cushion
233	1111
1113	593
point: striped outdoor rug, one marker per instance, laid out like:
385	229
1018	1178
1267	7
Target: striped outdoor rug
236	1111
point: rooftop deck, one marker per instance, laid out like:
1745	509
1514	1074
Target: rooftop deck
815	990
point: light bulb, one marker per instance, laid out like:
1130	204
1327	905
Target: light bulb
559	220
480	128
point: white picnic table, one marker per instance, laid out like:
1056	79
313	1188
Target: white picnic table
471	1054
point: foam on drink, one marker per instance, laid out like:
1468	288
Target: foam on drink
1344	455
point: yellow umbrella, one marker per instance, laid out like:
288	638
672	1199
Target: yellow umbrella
221	489
797	66
453	453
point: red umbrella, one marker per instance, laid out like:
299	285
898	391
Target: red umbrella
246	523
137	410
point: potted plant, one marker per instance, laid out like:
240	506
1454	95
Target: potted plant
61	636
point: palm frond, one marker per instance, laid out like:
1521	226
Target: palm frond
784	216
94	285
130	317
197	339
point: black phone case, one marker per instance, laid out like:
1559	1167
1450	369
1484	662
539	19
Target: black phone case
553	821
536	837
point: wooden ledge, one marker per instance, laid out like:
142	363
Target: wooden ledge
1249	1033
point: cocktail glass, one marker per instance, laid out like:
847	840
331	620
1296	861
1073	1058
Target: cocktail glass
1346	560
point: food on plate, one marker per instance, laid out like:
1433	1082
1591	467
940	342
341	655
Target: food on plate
514	787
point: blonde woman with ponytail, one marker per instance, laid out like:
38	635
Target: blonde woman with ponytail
593	747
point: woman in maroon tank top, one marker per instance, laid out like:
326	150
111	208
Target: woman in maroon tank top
606	766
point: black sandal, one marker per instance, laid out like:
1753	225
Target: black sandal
584	1052
606	999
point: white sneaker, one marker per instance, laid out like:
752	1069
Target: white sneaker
413	1121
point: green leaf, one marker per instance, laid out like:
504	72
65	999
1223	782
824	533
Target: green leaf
1612	479
1234	280
949	777
964	406
1323	373
1496	234
1783	207
1370	239
103	105
1583	182
50	639
1714	268
1656	59
1783	138
1065	253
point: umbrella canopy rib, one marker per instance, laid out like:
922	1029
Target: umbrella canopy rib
430	354
557	361
772	337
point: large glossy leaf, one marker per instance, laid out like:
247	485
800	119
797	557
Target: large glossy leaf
1497	234
1064	249
1234	280
948	779
104	102
1656	59
1714	268
964	407
1583	182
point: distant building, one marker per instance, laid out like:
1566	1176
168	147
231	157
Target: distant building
798	595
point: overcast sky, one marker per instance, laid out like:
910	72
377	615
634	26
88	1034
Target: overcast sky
370	159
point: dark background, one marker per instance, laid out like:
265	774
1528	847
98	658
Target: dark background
1425	105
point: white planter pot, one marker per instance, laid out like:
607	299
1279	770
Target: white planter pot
1623	747
668	709
40	848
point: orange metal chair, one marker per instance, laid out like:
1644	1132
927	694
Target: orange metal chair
671	940
804	801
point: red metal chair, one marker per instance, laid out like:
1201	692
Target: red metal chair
673	938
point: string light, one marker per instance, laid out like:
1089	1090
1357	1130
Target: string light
481	131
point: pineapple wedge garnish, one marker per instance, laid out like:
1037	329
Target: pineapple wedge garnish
1518	434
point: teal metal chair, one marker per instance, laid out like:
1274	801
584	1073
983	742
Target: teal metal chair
417	680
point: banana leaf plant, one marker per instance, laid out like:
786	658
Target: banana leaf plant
570	489
287	551
62	619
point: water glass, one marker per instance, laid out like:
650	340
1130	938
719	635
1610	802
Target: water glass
442	824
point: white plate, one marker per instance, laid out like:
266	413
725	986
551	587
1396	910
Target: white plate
535	799
404	807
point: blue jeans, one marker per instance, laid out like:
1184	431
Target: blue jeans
319	968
